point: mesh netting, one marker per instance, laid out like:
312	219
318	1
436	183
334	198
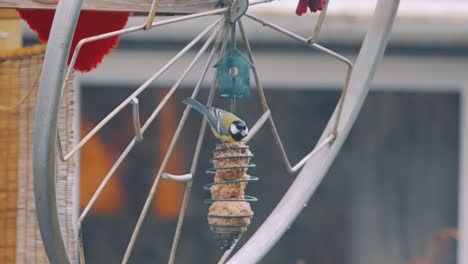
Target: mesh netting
20	240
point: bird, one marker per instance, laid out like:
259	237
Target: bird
314	6
226	126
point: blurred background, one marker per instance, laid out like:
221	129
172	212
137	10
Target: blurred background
391	196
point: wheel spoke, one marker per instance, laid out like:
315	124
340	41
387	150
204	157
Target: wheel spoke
140	89
193	168
267	113
152	191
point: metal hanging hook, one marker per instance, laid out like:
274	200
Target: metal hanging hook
236	9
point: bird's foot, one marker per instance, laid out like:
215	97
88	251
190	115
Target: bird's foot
226	145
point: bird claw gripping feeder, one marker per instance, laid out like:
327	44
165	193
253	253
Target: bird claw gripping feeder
229	214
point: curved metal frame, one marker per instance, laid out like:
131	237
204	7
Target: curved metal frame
45	140
44	148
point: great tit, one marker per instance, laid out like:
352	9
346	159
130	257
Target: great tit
226	126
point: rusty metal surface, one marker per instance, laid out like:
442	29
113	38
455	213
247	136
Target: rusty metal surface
164	6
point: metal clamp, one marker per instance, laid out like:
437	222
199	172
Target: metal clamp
136	119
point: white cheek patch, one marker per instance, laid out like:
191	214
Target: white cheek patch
245	132
233	129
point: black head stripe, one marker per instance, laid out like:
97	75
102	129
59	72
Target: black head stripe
237	136
241	127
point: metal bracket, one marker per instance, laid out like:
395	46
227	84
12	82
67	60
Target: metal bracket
177	178
136	119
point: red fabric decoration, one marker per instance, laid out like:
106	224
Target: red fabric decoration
90	23
314	6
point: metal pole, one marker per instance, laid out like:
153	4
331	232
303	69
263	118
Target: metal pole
44	148
463	189
310	177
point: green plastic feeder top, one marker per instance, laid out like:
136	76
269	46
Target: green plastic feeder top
233	75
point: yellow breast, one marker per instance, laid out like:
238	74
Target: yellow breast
227	139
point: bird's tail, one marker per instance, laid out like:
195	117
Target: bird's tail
195	104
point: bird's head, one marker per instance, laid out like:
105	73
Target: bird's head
238	130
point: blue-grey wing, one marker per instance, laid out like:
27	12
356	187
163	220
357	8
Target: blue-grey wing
215	117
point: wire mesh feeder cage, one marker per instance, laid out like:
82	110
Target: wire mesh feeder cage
230	214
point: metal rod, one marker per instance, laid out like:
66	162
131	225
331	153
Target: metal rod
284	155
318	25
45	122
193	168
133	29
341	101
98	192
142	26
259	124
150	196
258	84
263	100
233	36
84	41
463	181
315	169
136	93
228	252
151	14
59	147
141	88
274	130
317	148
104	182
136	119
81	254
188	187
233	105
299	38
234	46
114	167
